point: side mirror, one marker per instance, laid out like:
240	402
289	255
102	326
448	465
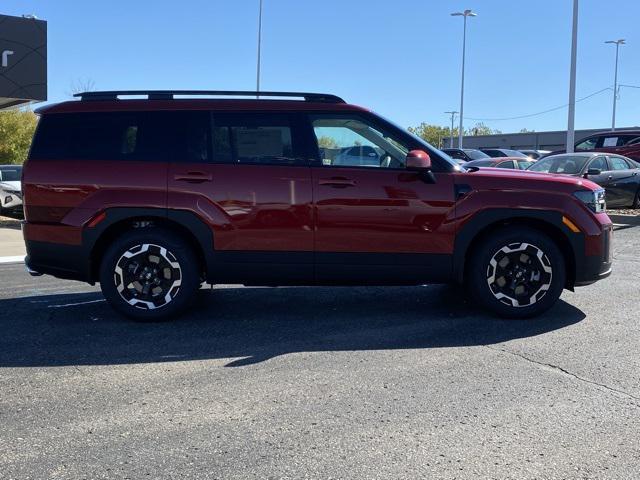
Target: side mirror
592	172
418	160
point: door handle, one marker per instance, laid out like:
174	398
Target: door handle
610	177
193	177
338	182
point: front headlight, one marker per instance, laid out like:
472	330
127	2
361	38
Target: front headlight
593	199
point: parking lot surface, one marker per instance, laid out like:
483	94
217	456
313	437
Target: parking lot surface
321	383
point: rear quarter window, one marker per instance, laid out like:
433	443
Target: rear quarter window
122	136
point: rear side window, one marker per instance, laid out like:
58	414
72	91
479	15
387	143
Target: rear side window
618	163
256	138
134	136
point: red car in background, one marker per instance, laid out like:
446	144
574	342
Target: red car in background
620	142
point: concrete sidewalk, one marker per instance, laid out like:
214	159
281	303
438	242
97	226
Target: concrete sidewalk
11	245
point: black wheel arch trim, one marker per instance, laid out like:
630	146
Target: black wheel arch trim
199	230
503	216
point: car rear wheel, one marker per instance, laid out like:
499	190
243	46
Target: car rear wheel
149	274
516	272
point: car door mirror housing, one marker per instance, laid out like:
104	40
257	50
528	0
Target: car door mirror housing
418	160
592	172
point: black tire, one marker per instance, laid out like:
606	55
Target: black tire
636	200
527	283
149	274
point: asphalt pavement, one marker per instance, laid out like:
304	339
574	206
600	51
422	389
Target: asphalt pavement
321	383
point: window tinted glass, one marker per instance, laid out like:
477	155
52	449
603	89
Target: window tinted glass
587	144
455	154
135	136
255	138
505	164
493	152
618	163
524	164
352	141
514	153
479	163
476	154
10	174
600	163
570	164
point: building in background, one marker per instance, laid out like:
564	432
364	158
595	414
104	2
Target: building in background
554	140
23	60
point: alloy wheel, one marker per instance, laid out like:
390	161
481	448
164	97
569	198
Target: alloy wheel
519	274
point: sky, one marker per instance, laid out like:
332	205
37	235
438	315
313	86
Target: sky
400	58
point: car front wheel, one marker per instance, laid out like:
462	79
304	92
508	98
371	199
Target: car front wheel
516	272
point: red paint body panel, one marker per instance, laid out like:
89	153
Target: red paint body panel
249	207
388	211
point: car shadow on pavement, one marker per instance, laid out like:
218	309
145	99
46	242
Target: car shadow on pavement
250	325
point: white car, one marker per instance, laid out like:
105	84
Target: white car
10	187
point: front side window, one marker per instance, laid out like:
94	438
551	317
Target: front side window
599	163
353	142
588	144
254	138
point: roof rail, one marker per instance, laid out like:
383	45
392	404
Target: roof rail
169	95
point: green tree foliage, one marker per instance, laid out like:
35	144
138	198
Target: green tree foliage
16	132
327	142
435	134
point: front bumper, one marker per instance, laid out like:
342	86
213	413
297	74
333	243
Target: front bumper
591	268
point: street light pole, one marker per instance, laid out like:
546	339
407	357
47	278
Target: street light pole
453	115
259	47
465	14
571	133
618	42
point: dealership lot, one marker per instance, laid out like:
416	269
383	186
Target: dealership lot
321	383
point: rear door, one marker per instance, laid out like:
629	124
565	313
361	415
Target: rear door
248	175
623	185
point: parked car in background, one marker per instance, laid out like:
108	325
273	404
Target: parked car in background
618	175
10	189
502	152
515	163
620	142
465	154
535	154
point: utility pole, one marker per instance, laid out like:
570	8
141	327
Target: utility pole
617	43
453	116
465	14
571	133
259	48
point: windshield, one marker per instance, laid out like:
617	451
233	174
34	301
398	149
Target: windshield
10	174
568	164
475	154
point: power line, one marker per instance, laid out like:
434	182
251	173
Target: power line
543	112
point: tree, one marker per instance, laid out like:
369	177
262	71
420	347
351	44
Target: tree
327	142
434	134
16	132
481	129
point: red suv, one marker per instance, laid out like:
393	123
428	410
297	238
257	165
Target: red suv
153	196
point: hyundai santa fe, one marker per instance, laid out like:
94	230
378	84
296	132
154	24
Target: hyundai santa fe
154	195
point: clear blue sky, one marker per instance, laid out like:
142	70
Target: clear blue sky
401	58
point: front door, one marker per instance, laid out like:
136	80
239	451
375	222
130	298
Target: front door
249	176
376	222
